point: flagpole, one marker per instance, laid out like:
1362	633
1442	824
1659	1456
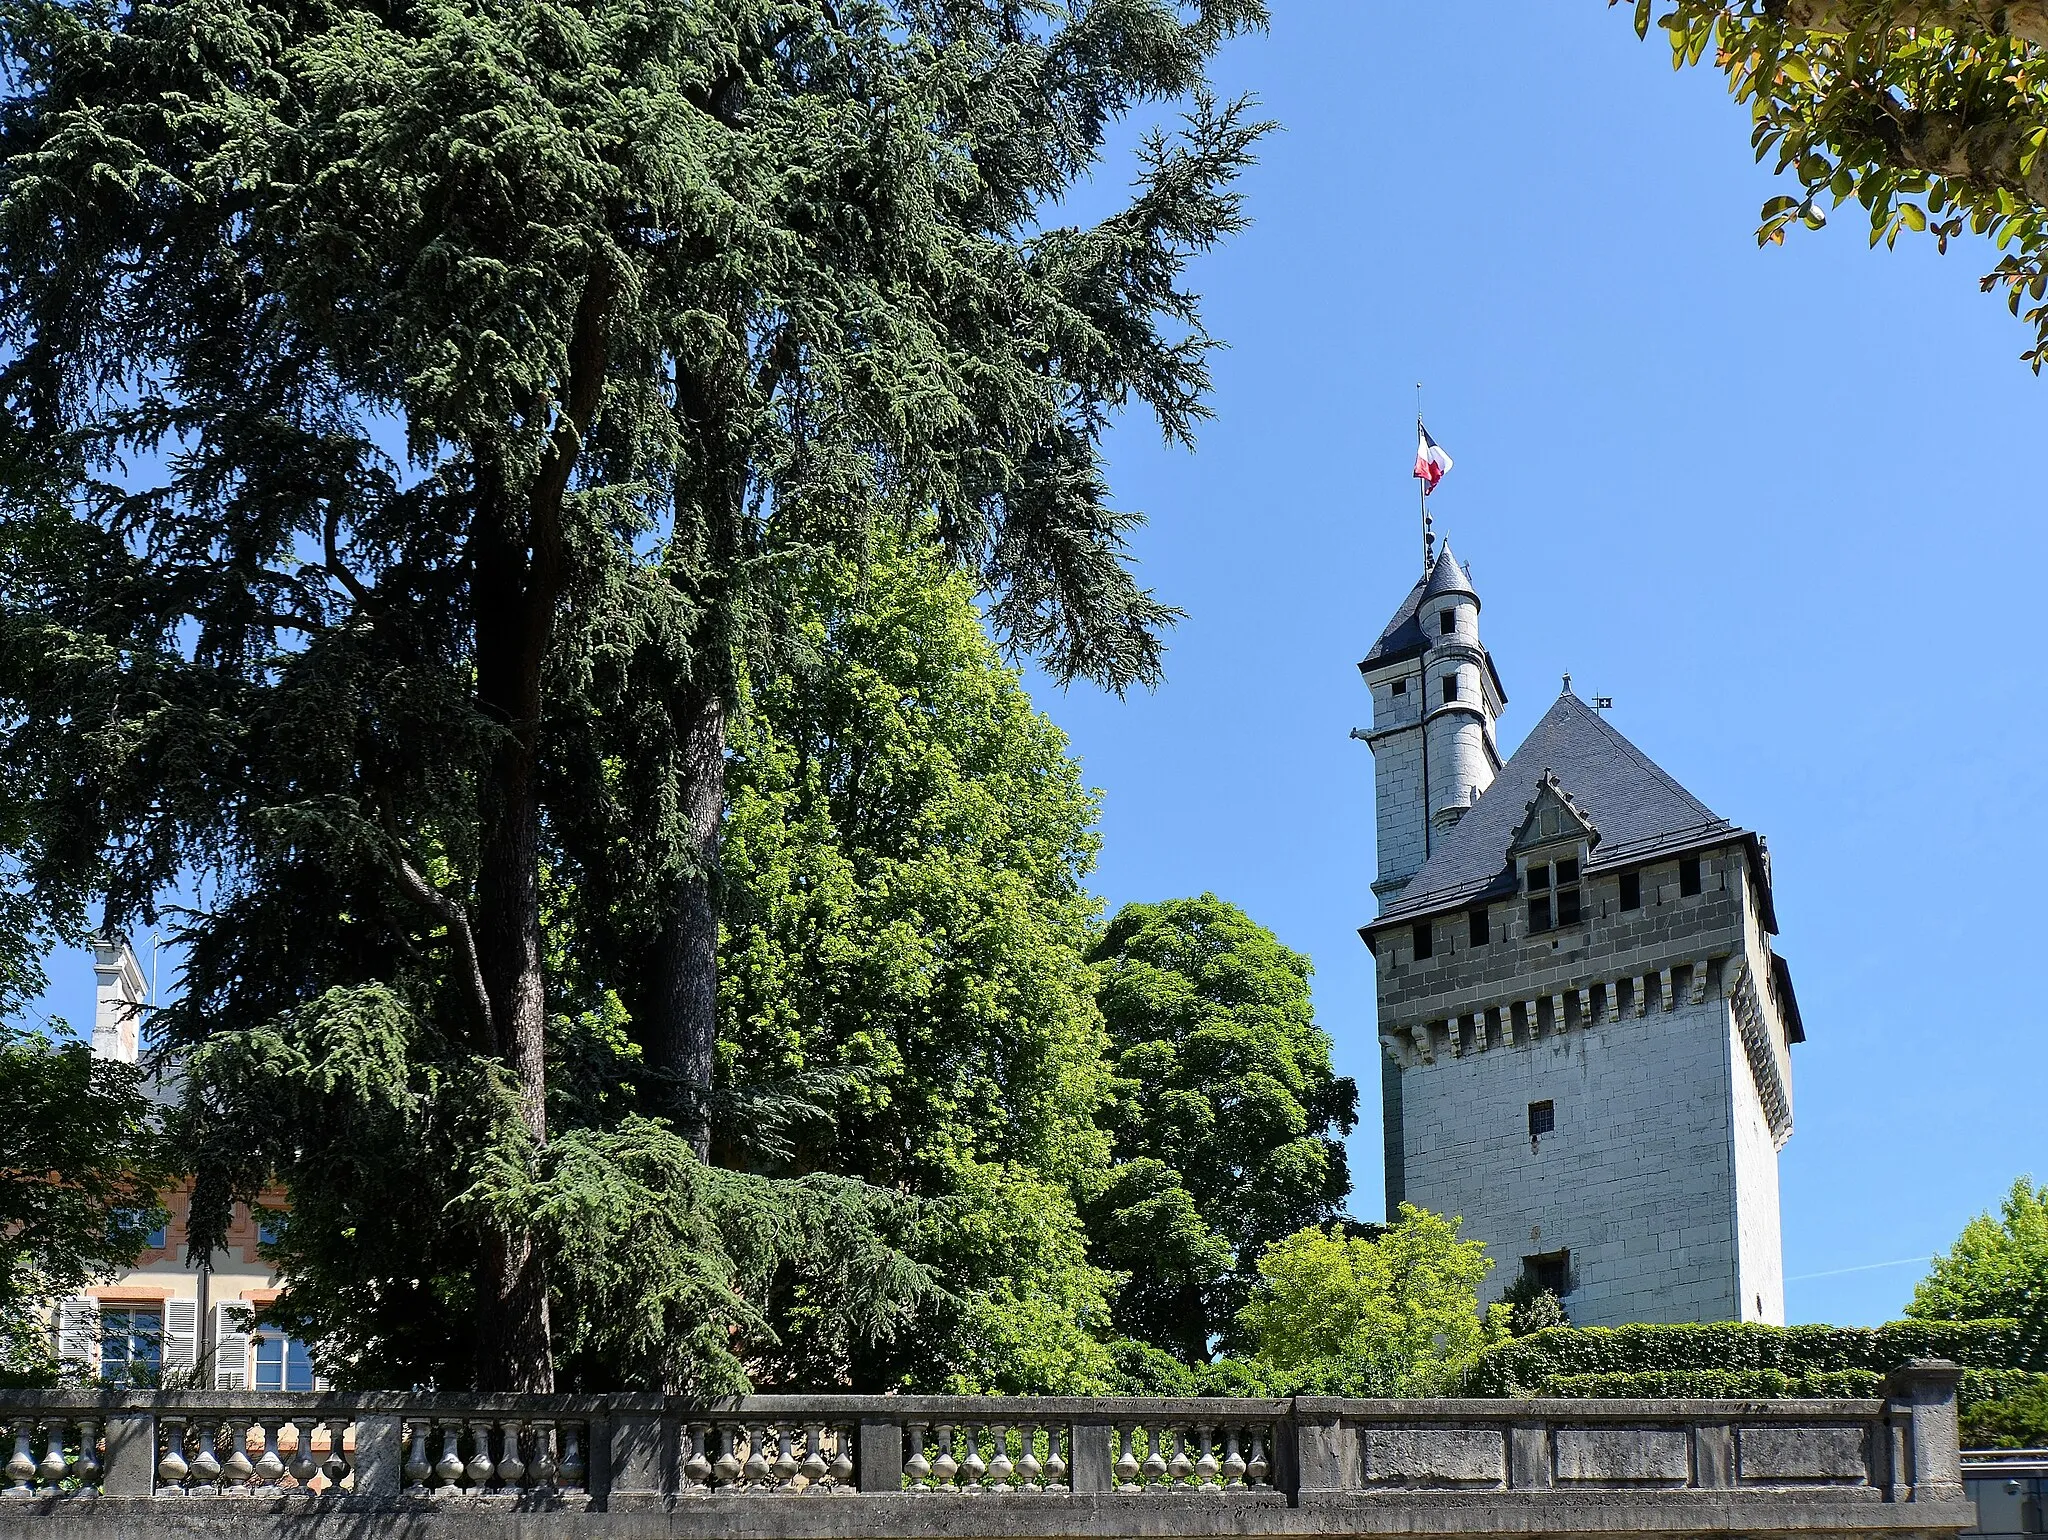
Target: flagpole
1422	493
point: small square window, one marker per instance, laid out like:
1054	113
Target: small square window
1447	622
1631	890
1539	914
1567	870
1400	687
1552	1271
1567	906
1539	877
1450	687
1689	877
1476	926
1542	1118
1425	941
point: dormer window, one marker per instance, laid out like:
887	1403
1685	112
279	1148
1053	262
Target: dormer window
1553	893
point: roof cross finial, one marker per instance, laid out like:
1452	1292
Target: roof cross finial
1567	684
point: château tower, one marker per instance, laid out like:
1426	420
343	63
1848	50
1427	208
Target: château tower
1586	1032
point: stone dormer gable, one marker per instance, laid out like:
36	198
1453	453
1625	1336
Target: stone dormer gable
1553	821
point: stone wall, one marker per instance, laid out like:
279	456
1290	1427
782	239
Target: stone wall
883	1467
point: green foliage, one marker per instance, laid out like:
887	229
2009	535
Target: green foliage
1714	1384
80	1167
1931	114
1531	1307
1229	1119
904	924
2009	1411
1523	1366
418	422
1396	1313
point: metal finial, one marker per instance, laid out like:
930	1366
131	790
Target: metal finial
1567	684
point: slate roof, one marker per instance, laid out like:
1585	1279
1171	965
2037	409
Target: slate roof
1640	811
1448	577
1403	636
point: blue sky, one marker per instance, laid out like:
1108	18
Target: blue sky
1776	504
1783	506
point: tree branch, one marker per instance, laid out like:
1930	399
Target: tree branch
334	565
456	918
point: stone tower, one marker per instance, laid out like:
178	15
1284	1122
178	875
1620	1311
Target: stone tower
1586	1032
1435	696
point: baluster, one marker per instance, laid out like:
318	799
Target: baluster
814	1466
87	1466
479	1468
335	1466
237	1468
842	1457
1028	1468
206	1457
449	1468
727	1466
21	1465
417	1466
1178	1467
511	1468
572	1455
1000	1469
917	1467
1154	1468
755	1472
55	1462
697	1468
945	1467
1233	1462
1126	1463
542	1468
1055	1467
171	1469
973	1467
302	1467
1255	1470
786	1463
1205	1467
270	1462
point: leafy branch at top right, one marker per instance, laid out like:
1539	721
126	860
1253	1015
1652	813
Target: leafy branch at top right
1930	114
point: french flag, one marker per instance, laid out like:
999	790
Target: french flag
1430	461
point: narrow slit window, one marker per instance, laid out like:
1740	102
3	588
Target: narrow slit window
1476	926
1450	687
1425	941
1447	622
1689	877
1631	890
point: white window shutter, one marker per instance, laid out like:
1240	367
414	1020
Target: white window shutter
78	1334
230	1346
181	1335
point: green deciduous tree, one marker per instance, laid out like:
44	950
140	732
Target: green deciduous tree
80	1169
905	928
413	414
1997	1269
1931	114
1394	1314
1230	1119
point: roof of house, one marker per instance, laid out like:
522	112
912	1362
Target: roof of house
1403	636
1641	813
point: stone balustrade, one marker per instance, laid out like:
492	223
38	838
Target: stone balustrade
789	1467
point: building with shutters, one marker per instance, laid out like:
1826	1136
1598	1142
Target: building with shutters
1586	1031
167	1320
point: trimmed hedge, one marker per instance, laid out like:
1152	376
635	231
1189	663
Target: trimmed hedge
1713	1384
1743	1351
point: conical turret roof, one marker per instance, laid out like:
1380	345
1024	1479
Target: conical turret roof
1448	577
